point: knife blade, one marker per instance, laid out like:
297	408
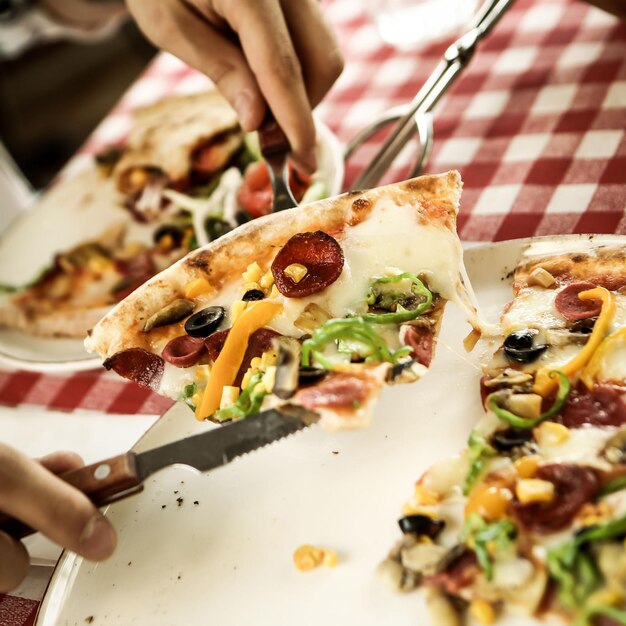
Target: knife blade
123	475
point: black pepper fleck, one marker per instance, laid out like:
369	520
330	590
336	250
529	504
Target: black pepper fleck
89	620
335	451
180	501
163	506
196	502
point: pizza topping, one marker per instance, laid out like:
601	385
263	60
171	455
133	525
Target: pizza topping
391	303
138	365
529	490
599	366
168	236
573	308
615	449
287	367
574	486
253	294
543	382
352	329
478	451
296	272
540	277
318	253
170	314
198	287
421	525
227	365
421	340
551	434
511	438
183	351
204	322
335	392
602	405
495	400
458	569
520	346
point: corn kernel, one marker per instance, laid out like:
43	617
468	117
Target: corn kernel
526	466
269	378
594	513
269	358
245	381
482	612
197	397
309	557
166	243
138	177
266	281
604	597
229	396
530	490
426	496
198	287
252	274
330	558
274	293
260	388
489	501
239	306
100	264
203	372
296	271
551	434
256	362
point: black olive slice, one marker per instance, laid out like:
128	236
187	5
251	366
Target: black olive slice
511	438
175	232
310	375
253	294
205	322
518	346
421	525
216	227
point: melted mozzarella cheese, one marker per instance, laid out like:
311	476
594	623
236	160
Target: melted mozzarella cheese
584	445
175	379
613	365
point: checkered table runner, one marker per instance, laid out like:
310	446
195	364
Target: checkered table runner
535	125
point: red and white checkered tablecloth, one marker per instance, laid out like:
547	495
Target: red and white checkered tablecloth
535	125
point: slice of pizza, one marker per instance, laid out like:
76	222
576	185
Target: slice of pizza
531	517
317	307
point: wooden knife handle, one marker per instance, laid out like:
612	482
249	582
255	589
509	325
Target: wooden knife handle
102	482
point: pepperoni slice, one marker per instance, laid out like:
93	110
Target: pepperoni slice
138	365
184	351
572	308
336	391
574	486
421	339
260	341
319	253
603	405
458	573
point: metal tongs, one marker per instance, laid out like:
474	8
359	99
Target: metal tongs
415	117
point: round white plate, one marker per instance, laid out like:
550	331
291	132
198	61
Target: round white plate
69	214
223	555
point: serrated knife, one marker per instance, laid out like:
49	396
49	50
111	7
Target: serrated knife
124	475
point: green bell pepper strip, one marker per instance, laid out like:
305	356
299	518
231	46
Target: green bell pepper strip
248	403
617	484
479	449
349	328
574	568
585	617
401	314
523	422
187	395
498	535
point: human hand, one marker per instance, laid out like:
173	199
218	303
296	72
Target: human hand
30	492
277	51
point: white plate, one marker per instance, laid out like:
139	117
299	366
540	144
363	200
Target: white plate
228	559
62	220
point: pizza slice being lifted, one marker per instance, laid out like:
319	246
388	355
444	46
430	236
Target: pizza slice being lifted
317	307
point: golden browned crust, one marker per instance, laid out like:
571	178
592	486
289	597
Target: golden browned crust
604	266
227	258
165	134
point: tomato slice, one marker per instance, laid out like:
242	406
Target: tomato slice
255	193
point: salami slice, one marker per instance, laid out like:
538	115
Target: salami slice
260	341
574	486
603	405
421	340
572	308
184	351
138	365
335	392
319	253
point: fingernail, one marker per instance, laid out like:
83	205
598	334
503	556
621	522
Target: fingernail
97	540
243	106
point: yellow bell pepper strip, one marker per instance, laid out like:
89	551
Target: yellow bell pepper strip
594	367
227	364
544	383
